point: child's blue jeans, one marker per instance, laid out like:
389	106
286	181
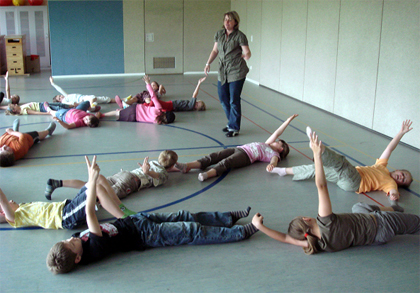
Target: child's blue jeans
183	227
61	114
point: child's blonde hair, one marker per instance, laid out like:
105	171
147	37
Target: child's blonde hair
10	111
167	159
60	259
202	106
297	229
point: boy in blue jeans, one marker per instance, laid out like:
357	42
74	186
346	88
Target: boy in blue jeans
141	231
77	117
60	215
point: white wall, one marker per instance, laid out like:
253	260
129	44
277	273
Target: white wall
358	59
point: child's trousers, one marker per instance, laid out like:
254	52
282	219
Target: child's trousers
183	227
337	169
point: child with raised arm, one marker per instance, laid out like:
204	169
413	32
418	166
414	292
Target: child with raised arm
78	117
272	150
126	182
142	97
14	145
72	99
142	113
8	99
34	108
368	224
359	179
176	105
67	214
142	231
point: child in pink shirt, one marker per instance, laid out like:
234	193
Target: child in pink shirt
143	113
272	150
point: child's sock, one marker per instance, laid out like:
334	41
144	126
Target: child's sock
202	176
181	166
309	134
51	186
395	206
280	171
236	215
250	230
127	212
16	124
51	128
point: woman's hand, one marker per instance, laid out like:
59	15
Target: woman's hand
207	69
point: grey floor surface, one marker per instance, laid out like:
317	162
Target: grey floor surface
259	264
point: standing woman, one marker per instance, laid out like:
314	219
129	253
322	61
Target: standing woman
231	45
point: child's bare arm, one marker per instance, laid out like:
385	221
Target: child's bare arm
32	112
162	90
14	133
146	169
197	88
58	88
91	219
257	220
64	124
406	127
273	163
6	208
280	130
324	202
7	85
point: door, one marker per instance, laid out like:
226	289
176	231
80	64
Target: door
31	21
164	36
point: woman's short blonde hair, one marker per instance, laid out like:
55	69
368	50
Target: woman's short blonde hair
233	15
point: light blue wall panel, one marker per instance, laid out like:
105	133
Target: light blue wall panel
86	37
254	38
321	53
293	44
357	62
270	43
398	89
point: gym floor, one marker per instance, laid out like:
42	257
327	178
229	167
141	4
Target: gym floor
258	264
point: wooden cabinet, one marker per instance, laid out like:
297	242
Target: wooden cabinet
15	54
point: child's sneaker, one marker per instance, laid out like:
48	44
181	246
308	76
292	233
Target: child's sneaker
51	128
16	124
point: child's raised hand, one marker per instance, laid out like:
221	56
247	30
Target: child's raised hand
51	80
406	126
202	79
257	220
292	117
146	79
93	168
146	166
315	144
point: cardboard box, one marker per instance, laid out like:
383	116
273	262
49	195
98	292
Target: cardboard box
32	64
